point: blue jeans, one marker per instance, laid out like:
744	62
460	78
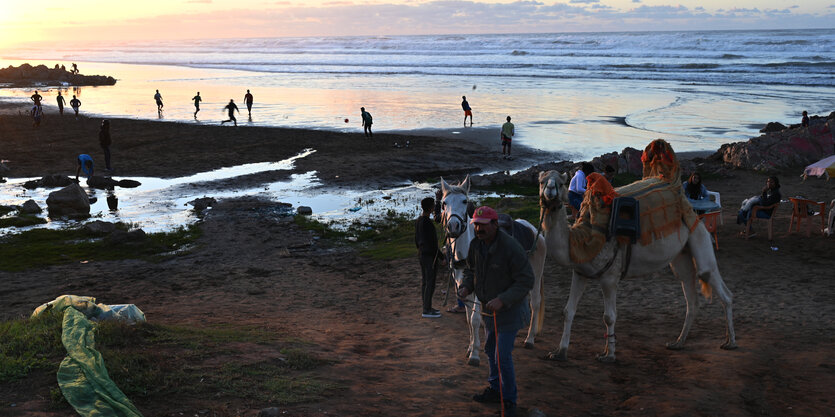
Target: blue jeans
506	340
575	199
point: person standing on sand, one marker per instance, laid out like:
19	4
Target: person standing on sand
105	141
75	104
61	103
366	122
429	256
36	98
804	122
232	107
197	101
158	98
499	274
507	137
467	111
248	101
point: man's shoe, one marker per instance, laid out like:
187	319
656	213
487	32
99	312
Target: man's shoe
509	409
431	314
489	396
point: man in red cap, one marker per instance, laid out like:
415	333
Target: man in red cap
499	273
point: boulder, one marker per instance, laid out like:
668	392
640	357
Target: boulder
129	183
775	151
269	412
102	183
773	127
100	227
30	207
304	210
68	201
121	237
49	181
201	204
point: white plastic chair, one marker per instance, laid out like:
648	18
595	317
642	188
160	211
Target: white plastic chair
713	195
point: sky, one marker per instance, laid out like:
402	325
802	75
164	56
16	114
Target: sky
80	21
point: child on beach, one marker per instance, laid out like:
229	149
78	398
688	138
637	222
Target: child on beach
366	122
37	114
61	102
232	107
467	111
507	137
804	122
248	101
158	98
197	101
75	103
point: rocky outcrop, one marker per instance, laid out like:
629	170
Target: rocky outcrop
201	204
773	127
69	201
27	75
788	148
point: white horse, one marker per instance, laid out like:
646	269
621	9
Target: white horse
690	255
459	234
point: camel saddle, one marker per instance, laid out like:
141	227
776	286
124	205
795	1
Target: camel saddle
519	232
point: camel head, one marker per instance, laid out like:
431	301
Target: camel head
553	190
454	207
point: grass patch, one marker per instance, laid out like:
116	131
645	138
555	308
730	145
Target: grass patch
29	345
21	221
4	210
389	238
513	188
41	247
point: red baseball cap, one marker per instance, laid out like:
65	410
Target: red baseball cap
484	214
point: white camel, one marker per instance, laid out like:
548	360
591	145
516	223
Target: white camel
690	255
460	233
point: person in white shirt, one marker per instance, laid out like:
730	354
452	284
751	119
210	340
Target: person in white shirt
577	187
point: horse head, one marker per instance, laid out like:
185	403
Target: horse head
454	207
553	190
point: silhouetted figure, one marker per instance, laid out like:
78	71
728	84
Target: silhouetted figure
805	121
85	163
75	104
36	98
366	123
197	101
61	103
63	68
507	137
467	111
232	107
105	141
248	101
37	114
74	68
158	98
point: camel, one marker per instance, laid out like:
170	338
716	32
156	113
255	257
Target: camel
459	234
689	254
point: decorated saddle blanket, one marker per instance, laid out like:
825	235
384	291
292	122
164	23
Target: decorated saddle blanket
663	207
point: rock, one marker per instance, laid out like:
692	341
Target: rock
121	237
201	204
102	183
49	181
269	412
68	201
30	207
100	227
304	210
4	170
773	127
780	150
129	183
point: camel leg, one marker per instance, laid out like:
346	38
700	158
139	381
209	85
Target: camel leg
578	285
609	284
683	268
708	272
537	261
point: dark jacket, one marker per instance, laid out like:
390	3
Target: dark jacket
104	138
504	273
769	197
426	240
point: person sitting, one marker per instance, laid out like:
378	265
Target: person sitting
770	195
696	194
577	187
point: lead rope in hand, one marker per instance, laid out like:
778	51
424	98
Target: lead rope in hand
498	362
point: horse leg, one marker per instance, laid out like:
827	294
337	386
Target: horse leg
708	271
609	284
537	261
683	268
474	321
578	285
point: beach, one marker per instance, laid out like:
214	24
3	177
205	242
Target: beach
262	271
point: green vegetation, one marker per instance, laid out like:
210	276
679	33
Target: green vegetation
4	210
389	238
149	360
22	220
42	247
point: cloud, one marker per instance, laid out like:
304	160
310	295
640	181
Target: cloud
584	1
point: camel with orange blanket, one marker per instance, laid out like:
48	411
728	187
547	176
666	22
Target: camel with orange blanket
670	234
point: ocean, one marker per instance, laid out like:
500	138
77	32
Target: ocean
581	94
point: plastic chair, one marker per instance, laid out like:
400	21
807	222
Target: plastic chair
713	195
800	211
711	224
761	212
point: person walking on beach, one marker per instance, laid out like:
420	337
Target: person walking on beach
37	114
429	256
105	141
248	101
507	137
366	122
75	104
197	101
499	274
36	98
232	107
158	98
85	163
804	122
467	111
61	103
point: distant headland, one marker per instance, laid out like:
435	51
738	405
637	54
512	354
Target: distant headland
29	76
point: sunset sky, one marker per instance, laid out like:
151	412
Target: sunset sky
94	20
